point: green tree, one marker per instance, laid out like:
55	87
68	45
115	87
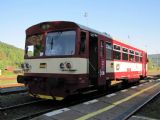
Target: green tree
10	56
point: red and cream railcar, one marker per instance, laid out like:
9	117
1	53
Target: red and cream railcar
125	62
64	58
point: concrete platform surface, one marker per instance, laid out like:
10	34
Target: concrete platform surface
114	106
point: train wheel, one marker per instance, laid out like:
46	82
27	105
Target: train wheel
141	77
125	83
102	88
108	84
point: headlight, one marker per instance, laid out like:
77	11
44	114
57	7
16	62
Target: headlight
68	65
61	65
22	66
27	66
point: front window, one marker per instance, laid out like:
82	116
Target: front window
60	43
57	43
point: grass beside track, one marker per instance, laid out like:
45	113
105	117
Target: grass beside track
8	79
8	82
154	72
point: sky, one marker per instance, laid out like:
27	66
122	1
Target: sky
136	22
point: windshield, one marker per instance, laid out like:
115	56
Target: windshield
34	45
60	43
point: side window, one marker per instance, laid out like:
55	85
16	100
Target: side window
116	47
136	56
124	54
131	55
141	57
108	51
116	52
30	50
102	49
83	42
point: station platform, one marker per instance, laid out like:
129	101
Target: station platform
115	106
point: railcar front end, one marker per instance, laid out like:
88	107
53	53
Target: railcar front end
52	67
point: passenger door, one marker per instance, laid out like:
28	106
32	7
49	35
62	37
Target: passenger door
93	59
144	64
101	60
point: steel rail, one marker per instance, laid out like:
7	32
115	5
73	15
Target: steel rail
20	105
5	92
36	114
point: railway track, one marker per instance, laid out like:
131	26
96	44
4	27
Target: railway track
32	115
20	105
13	90
16	99
24	110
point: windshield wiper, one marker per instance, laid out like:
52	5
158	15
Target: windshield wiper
52	43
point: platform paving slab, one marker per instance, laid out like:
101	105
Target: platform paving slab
88	108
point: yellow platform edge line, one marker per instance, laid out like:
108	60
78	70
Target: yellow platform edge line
115	104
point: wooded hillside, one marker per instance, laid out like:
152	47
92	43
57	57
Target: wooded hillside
10	55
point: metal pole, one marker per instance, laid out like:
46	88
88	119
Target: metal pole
157	61
86	16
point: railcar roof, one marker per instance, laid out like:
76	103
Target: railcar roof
105	34
75	24
93	30
87	29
